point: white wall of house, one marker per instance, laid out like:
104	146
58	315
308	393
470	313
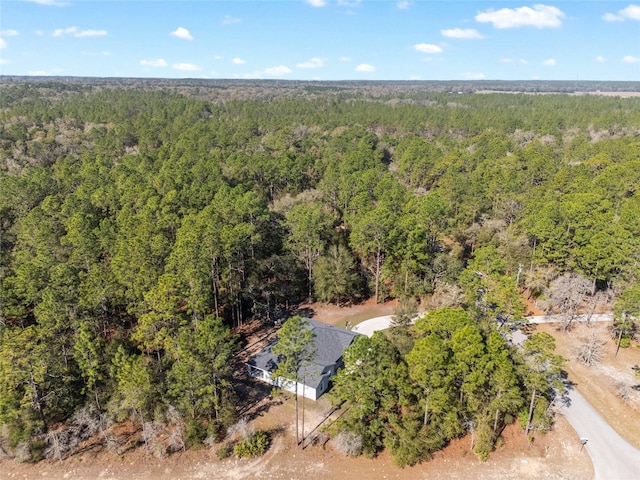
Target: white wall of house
288	385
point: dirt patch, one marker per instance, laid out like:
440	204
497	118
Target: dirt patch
553	456
338	316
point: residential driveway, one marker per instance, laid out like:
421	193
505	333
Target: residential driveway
612	456
373	325
382	323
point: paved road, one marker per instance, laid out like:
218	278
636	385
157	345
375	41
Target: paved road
382	323
612	456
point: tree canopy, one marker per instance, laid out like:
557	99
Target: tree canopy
141	222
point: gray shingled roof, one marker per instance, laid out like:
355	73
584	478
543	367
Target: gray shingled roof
330	345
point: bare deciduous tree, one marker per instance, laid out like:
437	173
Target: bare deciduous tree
565	295
590	346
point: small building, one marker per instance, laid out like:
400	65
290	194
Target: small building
331	343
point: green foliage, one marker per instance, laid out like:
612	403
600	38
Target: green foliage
224	451
375	381
140	223
335	276
134	387
195	432
543	378
254	446
200	376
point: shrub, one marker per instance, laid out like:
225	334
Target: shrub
348	443
257	444
195	432
37	449
23	452
224	451
483	445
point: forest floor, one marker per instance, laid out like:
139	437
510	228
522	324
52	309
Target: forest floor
556	455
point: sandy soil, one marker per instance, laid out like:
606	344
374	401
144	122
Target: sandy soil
601	384
553	456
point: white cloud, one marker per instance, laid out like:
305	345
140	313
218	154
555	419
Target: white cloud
314	62
91	33
58	32
365	67
427	48
9	33
75	32
276	71
154	63
186	67
49	3
549	62
3	44
345	59
229	20
3	61
612	17
238	61
630	59
403	5
540	16
316	3
632	12
217	57
183	33
600	58
465	33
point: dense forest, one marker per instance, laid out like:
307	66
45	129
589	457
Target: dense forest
142	223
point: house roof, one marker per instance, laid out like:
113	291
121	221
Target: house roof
330	345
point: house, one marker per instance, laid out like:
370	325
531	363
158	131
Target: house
330	345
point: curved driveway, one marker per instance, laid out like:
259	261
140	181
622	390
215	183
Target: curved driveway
612	456
382	323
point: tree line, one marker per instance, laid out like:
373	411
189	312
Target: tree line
141	226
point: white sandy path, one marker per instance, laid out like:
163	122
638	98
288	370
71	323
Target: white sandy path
382	323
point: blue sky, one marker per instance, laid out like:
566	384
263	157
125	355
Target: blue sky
322	39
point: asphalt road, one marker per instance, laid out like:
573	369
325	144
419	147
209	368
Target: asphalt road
612	456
